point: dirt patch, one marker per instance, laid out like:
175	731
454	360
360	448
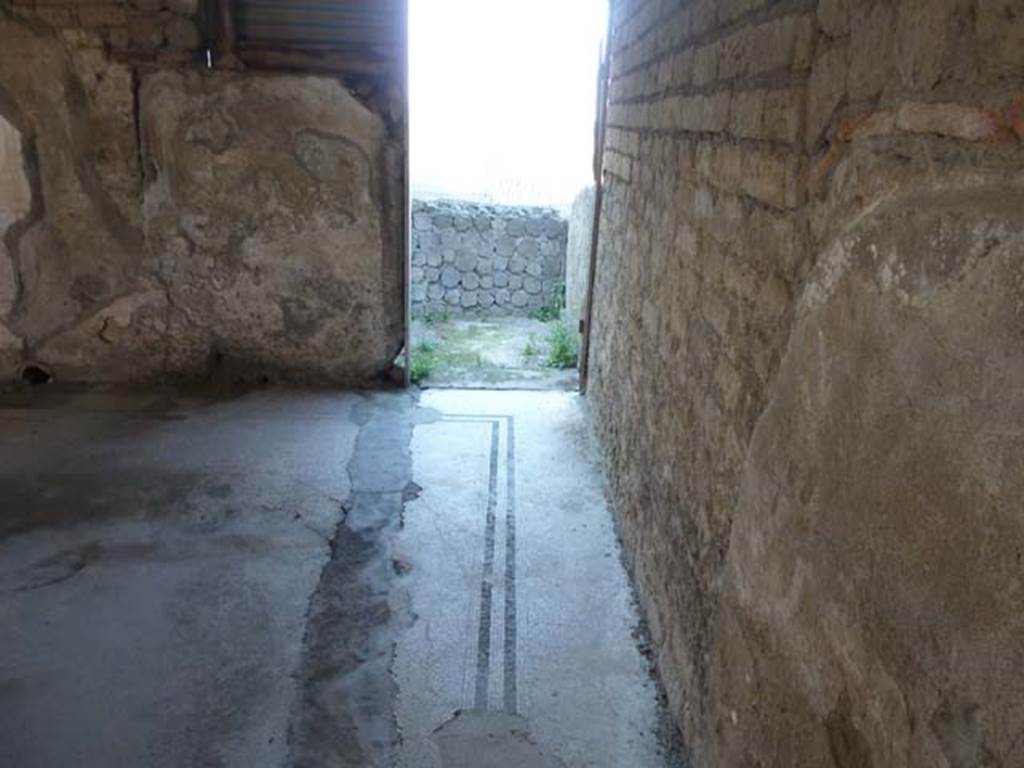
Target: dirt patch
502	353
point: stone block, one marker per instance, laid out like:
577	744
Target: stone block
531	285
527	249
470	281
825	90
746	119
181	35
469	299
1000	38
465	261
520	299
784	115
450	277
833	17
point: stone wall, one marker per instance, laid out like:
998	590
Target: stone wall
476	260
808	359
186	222
578	253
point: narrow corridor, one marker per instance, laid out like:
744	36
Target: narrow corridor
521	604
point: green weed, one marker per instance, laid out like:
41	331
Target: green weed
565	346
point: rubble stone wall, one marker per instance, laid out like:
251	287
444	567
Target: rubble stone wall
477	260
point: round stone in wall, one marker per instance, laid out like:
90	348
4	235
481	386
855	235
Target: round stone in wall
465	261
505	247
452	297
450	277
434	259
520	299
502	296
470	281
515	282
484	266
527	249
419	292
486	299
500	280
531	285
487	281
435	292
516	266
469	299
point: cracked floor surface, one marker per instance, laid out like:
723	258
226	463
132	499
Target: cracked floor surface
313	579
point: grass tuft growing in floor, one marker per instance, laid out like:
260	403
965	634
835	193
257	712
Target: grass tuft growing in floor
531	350
424	362
565	346
429	358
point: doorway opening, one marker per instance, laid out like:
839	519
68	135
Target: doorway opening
502	134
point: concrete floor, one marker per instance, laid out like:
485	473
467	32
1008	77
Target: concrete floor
313	579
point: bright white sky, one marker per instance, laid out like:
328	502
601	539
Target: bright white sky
503	97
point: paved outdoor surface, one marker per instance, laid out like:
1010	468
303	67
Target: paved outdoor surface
313	579
510	353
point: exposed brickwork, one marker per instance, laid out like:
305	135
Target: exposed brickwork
744	137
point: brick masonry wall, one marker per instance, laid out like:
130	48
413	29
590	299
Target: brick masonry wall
476	260
797	194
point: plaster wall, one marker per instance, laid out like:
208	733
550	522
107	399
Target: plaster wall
162	220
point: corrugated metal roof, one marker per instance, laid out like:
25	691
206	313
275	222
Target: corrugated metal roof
319	24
